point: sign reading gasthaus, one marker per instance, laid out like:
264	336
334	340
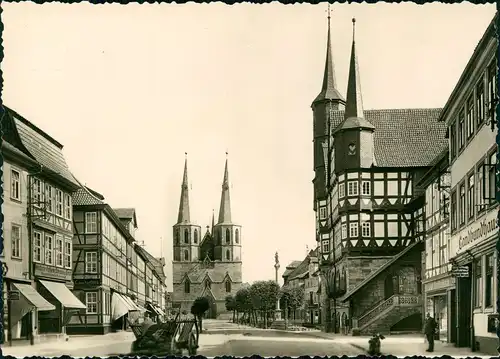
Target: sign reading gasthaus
476	232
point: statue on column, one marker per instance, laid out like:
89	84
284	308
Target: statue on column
276	268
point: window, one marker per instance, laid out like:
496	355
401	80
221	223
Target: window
478	288
37	247
492	177
489	281
16	241
352	188
480	102
344	230
49	196
208	284
37	192
461	130
91	222
470	116
453	204
49	249
228	236
237	236
177	238
186	236
480	187
15	185
91	262
341	190
365	229
67	206
195	239
366	188
59	203
91	301
228	254
68	247
462	203
470	196
353	229
492	89
228	286
453	140
59	251
326	247
187	286
186	255
322	213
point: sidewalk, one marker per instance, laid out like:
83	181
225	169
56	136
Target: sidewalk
403	345
74	342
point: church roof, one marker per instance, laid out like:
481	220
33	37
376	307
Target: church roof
404	137
225	200
184	215
354	100
217	274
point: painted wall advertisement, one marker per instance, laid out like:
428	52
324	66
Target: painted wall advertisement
476	232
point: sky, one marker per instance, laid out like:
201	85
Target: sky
129	89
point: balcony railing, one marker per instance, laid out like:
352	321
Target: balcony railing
403	300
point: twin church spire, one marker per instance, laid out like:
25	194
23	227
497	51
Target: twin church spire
184	216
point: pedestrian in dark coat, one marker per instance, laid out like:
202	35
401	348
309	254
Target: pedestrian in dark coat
429	330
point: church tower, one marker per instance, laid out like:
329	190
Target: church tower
329	99
353	139
227	234
186	234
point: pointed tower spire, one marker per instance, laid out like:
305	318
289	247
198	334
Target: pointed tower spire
213	220
354	101
225	200
328	89
184	216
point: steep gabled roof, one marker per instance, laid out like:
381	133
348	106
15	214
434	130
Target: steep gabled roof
85	196
404	137
290	268
126	213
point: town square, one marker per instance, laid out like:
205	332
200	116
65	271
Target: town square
273	180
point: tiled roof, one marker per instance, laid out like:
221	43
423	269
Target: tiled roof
290	268
299	271
46	150
158	267
126	213
404	137
84	196
217	274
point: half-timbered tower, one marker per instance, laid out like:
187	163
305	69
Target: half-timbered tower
370	223
211	266
113	276
37	255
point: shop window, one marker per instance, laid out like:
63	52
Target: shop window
91	301
478	283
489	281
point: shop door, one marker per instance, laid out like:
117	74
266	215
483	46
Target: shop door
464	290
453	316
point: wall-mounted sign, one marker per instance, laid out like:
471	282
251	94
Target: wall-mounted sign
477	231
13	295
42	270
460	271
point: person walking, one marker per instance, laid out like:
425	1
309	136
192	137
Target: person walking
430	330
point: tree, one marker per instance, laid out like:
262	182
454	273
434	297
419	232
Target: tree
231	305
243	302
291	298
264	295
199	308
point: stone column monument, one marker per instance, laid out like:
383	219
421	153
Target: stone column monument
276	268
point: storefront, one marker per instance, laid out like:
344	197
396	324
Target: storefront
477	292
156	312
123	310
440	302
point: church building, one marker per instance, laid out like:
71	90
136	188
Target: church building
369	213
207	265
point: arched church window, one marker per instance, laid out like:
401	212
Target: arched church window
228	286
228	254
237	236
177	236
186	236
195	239
186	255
228	235
187	286
208	284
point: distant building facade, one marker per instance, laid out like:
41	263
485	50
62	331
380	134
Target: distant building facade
470	115
37	256
208	266
369	213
